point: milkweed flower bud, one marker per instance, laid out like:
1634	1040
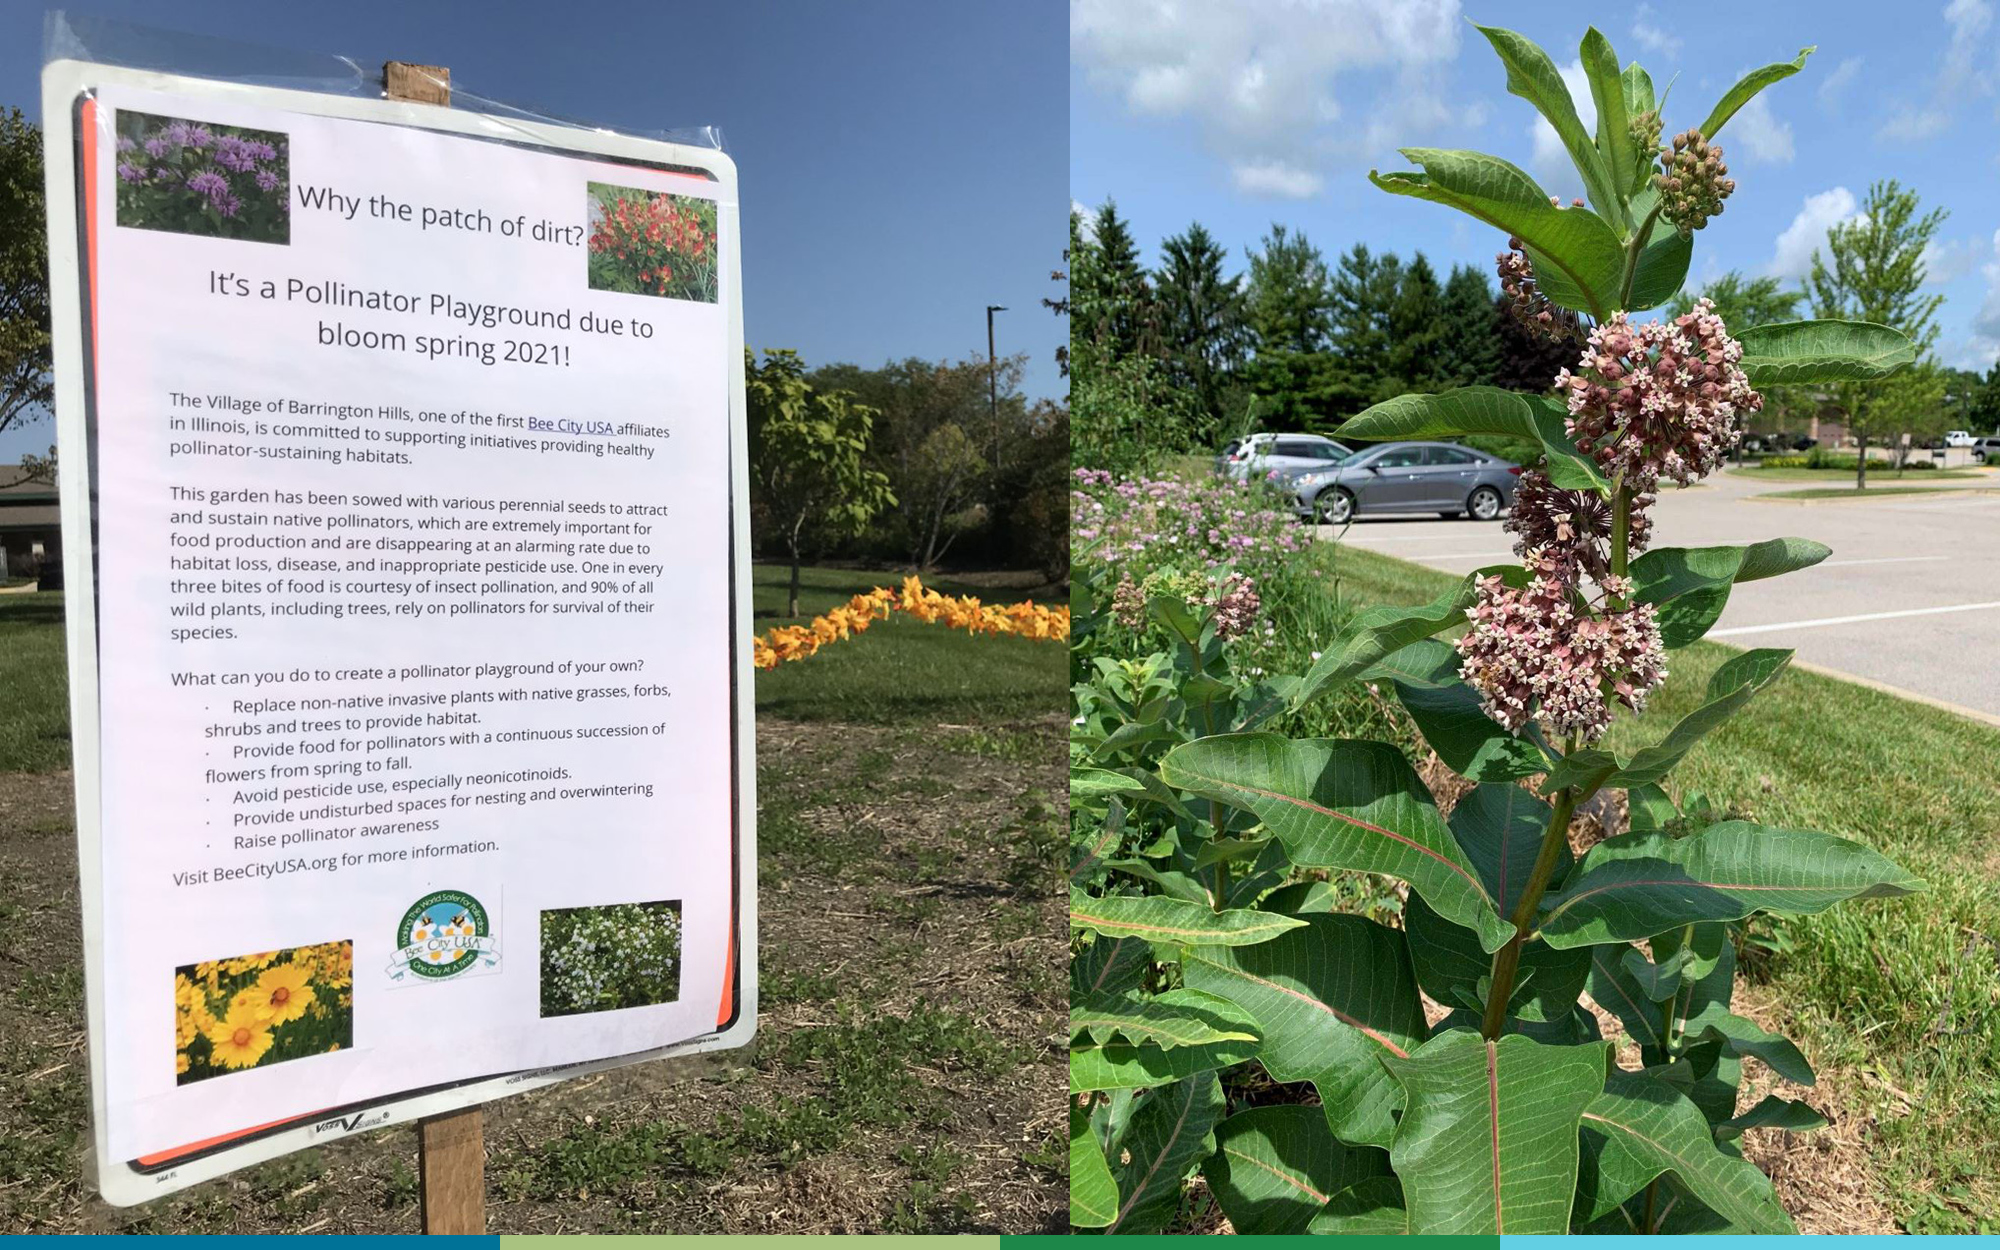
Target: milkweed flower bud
1693	182
1128	603
1533	656
1645	129
1662	399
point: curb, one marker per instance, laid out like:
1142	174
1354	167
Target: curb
1864	497
1882	687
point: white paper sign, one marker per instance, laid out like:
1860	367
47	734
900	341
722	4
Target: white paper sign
415	746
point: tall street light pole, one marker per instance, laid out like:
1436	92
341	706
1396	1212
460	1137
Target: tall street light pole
993	382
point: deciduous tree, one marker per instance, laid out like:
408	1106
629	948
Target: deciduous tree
1872	269
809	457
26	388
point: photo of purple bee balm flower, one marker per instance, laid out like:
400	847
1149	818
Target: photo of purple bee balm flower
203	178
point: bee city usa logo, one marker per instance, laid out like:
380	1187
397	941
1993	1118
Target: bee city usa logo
444	934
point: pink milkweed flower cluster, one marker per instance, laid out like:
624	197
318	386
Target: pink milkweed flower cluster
1236	606
1662	399
1534	656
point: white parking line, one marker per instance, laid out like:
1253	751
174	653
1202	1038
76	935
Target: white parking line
1849	620
1834	564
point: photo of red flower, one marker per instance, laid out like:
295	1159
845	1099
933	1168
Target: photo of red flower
652	243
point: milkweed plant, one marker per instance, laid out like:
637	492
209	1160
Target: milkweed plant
1209	961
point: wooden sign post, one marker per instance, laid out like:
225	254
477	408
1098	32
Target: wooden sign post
451	1154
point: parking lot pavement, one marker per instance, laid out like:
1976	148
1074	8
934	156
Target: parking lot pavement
1909	599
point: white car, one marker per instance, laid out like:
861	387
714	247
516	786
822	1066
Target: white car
1959	438
1284	454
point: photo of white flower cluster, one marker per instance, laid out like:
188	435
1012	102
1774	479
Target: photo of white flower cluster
610	958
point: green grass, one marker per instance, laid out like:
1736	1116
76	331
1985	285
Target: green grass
1849	492
1901	993
1847	475
902	668
34	685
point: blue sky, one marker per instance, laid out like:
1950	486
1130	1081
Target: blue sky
1267	110
903	164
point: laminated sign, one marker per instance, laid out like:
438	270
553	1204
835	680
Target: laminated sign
403	484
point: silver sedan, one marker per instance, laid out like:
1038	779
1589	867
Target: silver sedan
1408	477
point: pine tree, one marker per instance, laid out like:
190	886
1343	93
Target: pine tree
1471	352
1201	316
1286	309
1417	334
1362	293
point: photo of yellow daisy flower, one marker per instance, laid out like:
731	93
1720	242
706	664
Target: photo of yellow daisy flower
251	1011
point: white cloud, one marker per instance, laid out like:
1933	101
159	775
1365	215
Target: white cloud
1276	178
1261	79
1757	130
1551	163
1834	87
1086	218
1650	36
1957	77
1952	259
1791	257
1983	349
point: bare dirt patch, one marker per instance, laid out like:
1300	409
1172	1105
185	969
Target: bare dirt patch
908	1074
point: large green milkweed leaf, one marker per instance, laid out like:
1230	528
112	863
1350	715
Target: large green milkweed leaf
1607	92
1773	1112
1275	1167
1121	1065
1732	685
1109	966
1690	585
1641	884
1483	410
1172	1129
1747	87
1745	1037
1663	261
1180	1017
1578	262
1488	1139
1099	782
1173	921
1665	573
1093	1194
1375	1206
1343	804
1794	353
1332	999
1379	632
1448	713
1533	76
1474	745
1614	988
1430	664
1500	828
1649	1128
1706	960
